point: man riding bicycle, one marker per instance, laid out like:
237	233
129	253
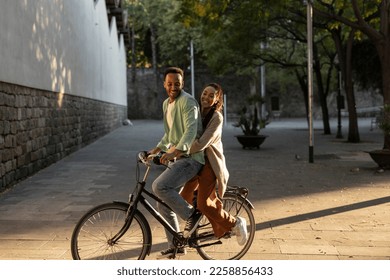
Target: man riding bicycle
182	125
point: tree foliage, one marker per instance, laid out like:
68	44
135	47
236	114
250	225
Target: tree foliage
228	35
365	18
367	72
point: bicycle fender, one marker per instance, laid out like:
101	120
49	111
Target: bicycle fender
247	201
121	203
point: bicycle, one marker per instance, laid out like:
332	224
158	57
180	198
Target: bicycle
119	230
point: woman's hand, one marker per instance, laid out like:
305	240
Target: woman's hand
173	156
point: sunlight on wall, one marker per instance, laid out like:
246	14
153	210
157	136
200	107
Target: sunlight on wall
60	99
46	32
64	46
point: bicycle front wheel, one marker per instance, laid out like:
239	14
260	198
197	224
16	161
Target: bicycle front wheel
92	236
226	248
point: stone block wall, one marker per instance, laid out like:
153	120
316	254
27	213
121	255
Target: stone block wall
38	128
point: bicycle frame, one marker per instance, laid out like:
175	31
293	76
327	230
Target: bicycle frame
137	196
153	211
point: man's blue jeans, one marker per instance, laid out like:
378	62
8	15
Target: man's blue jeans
167	187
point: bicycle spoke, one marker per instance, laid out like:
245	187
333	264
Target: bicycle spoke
93	234
227	247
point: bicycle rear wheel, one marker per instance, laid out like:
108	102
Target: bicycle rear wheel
227	247
91	238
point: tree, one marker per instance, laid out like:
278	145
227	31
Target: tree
367	72
154	28
291	32
232	32
371	18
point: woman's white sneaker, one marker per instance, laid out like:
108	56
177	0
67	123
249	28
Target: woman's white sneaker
240	230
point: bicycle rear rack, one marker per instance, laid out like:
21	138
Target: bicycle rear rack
236	190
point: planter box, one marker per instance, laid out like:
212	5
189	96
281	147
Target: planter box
251	141
381	157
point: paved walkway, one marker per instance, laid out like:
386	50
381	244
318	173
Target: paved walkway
335	208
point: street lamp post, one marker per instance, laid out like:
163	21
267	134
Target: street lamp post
310	76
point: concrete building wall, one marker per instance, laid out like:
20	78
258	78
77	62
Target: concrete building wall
63	81
65	46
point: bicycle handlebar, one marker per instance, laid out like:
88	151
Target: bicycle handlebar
147	158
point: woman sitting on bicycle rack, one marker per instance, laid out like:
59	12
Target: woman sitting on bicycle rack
214	174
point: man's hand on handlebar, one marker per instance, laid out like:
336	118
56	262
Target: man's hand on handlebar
154	151
160	157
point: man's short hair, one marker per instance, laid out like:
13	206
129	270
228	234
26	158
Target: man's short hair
175	70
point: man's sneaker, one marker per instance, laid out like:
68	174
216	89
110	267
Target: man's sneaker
192	223
170	253
240	230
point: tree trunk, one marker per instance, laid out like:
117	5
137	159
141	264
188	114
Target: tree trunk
353	131
345	64
304	87
321	93
154	54
383	49
384	54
